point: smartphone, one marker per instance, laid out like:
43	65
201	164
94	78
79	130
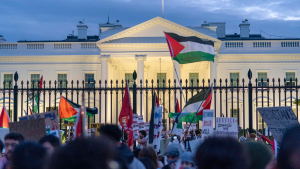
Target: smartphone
174	137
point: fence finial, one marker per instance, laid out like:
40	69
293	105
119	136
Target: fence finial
16	77
250	74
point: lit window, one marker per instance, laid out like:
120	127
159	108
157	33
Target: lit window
89	77
35	78
234	77
194	77
161	77
8	78
129	77
62	78
264	76
289	76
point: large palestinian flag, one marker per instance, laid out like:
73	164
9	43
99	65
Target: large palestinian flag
192	108
69	109
189	49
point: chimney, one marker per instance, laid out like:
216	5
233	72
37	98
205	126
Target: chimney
2	40
82	32
244	29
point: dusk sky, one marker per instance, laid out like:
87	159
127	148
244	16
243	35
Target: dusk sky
55	19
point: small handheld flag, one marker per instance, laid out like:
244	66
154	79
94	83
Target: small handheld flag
4	118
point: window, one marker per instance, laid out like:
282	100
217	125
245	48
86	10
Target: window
194	77
161	77
264	76
234	112
261	44
129	77
289	76
234	44
89	77
234	77
289	44
62	78
8	78
35	78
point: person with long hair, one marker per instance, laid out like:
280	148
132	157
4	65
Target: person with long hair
149	152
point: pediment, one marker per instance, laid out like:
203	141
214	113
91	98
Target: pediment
154	28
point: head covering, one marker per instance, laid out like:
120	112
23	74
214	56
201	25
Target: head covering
260	155
173	150
187	157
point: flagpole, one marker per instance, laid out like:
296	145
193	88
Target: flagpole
179	82
82	113
200	106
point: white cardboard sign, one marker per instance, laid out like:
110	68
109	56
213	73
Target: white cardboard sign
208	124
227	127
278	119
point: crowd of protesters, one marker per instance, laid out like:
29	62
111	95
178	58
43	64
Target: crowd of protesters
106	152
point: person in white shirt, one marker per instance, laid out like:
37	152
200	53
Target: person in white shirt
142	141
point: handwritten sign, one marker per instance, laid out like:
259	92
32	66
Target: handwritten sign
208	124
278	119
32	130
227	127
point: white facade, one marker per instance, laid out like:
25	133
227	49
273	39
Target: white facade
144	48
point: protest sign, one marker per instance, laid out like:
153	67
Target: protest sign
51	119
135	118
278	119
140	119
208	124
32	130
227	126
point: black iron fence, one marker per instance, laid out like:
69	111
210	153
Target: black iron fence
231	98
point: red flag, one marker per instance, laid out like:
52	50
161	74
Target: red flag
4	118
41	83
30	111
126	117
177	107
78	125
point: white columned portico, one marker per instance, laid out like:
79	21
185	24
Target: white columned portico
213	70
104	77
177	79
140	78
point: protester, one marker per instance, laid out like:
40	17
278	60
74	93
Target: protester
1	148
111	131
289	152
11	141
50	143
251	136
71	137
125	157
161	159
29	155
186	160
175	139
172	152
136	152
198	134
142	141
259	154
149	152
221	153
93	153
148	163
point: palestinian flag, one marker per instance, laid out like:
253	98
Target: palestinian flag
69	109
36	99
174	115
192	108
4	118
189	49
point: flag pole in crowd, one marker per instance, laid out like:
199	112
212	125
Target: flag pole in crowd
36	99
126	116
206	102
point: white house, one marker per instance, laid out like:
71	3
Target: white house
117	51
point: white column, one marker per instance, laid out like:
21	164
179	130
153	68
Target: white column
104	77
213	70
140	77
